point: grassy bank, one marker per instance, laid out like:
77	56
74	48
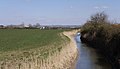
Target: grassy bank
34	49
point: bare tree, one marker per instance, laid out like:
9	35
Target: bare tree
99	18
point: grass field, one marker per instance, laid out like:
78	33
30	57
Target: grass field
35	49
20	40
26	39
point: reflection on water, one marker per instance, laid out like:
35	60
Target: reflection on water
88	57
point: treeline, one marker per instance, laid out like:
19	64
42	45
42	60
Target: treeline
38	26
22	26
103	35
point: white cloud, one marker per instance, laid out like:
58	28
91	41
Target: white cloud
105	7
96	7
101	7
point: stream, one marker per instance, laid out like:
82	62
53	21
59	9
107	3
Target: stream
88	58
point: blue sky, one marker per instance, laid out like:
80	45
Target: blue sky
54	12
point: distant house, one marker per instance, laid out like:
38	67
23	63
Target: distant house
15	26
1	26
42	27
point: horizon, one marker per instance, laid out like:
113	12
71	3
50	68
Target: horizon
55	12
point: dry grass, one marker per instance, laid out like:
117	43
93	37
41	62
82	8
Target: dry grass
56	59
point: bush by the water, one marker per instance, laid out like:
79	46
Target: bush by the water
103	35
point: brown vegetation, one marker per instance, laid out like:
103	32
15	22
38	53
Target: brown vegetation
100	33
60	59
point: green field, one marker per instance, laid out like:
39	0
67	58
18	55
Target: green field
15	41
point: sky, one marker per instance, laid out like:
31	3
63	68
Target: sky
56	12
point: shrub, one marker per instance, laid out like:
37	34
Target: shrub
103	31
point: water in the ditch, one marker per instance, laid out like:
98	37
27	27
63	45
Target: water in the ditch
88	57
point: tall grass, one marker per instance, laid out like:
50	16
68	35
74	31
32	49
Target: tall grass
35	49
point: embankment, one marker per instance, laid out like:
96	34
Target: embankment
60	58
